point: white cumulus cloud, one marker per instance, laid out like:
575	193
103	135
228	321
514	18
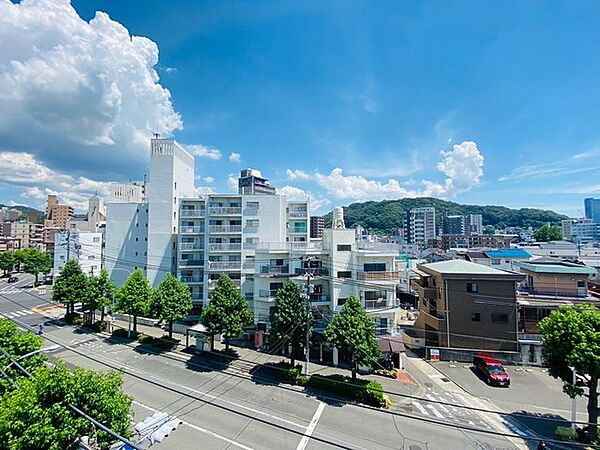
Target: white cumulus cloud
232	183
297	174
209	179
317	203
235	157
88	90
204	152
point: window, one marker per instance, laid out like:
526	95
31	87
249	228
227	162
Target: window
96	239
495	262
472	287
135	253
344	248
341	301
499	318
136	239
176	185
580	283
374	267
91	257
476	317
345	274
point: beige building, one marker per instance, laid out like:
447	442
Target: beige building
30	234
57	215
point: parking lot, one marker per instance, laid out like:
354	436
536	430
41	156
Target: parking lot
531	390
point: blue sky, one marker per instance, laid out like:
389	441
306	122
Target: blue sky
333	99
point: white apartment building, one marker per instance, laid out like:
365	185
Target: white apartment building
83	247
342	266
219	233
419	225
95	217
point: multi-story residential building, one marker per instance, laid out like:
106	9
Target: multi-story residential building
94	219
10	244
251	182
592	209
340	265
581	231
14	214
475	224
317	224
57	215
83	247
463	224
219	234
465	305
454	241
419	226
5	229
30	234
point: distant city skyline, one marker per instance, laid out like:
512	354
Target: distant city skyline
335	102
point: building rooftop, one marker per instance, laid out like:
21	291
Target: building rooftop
462	267
477	255
558	268
508	253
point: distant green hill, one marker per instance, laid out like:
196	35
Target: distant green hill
383	216
32	214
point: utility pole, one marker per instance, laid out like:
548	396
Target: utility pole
309	290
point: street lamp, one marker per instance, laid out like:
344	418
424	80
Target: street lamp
49	349
574	401
113	305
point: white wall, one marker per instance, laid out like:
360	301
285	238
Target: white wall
84	247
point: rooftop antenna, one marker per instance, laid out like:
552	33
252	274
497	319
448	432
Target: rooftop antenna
156	135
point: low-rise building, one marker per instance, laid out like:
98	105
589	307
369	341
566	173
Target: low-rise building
10	244
467	305
506	258
459	241
83	247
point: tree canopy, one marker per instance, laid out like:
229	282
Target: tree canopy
571	338
134	296
352	331
227	312
100	293
70	287
7	261
288	318
171	301
548	233
36	262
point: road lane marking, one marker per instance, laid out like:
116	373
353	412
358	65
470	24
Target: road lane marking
420	408
197	428
311	427
435	412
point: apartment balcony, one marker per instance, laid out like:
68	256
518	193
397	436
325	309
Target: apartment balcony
250	229
225	228
191	263
378	276
225	210
225	265
297	213
224	247
379	303
196	212
191	247
213	282
320	298
191	230
424	291
298	230
316	271
251	212
267	294
249	245
274	270
248	265
191	279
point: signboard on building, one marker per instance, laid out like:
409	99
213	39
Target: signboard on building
434	354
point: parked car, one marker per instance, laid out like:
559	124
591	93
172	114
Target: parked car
13	279
491	369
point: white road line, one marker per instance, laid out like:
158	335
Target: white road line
420	408
435	412
311	427
202	430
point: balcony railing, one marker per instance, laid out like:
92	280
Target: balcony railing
249	245
191	230
267	293
378	276
316	298
196	212
192	279
225	228
297	213
315	271
291	246
224	247
224	210
296	230
250	229
387	247
251	212
225	265
212	282
189	246
376	304
191	262
275	270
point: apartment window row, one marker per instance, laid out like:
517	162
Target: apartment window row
495	317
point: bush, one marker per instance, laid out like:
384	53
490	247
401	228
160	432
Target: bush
565	433
145	339
363	391
98	327
73	319
120	332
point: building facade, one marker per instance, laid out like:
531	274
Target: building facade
83	247
57	215
592	209
317	224
30	234
419	226
251	182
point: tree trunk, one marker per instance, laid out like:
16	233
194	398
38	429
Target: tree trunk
592	408
170	329
135	324
293	356
36	279
353	367
102	314
226	342
212	343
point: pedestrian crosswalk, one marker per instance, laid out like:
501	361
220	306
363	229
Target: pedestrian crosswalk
50	312
15	314
440	407
14	290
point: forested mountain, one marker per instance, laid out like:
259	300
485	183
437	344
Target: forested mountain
385	215
31	214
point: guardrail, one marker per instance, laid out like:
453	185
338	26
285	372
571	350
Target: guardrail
225	228
224	210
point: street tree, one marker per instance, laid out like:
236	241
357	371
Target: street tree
134	296
100	293
228	312
171	301
352	331
548	233
37	262
571	339
7	261
70	287
18	343
36	415
288	318
21	256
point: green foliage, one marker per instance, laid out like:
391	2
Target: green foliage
37	262
383	216
171	301
228	312
548	233
7	261
70	287
363	391
571	338
145	339
120	333
18	343
352	331
134	296
288	317
288	373
100	293
21	256
565	434
36	415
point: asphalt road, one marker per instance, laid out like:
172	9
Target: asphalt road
231	410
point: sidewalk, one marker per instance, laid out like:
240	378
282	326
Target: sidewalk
404	384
